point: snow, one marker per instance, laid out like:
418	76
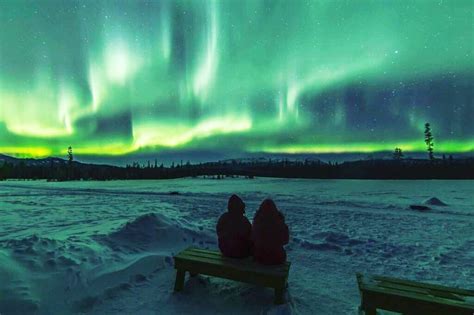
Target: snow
107	247
434	201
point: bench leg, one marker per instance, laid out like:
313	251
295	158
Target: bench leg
368	311
364	307
179	283
279	292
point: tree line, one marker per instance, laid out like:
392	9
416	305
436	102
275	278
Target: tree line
55	169
63	170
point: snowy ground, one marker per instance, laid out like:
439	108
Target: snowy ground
106	247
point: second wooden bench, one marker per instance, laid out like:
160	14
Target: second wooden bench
411	297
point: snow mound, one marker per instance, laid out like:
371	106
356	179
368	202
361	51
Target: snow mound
31	245
17	297
148	229
110	281
155	231
40	253
434	202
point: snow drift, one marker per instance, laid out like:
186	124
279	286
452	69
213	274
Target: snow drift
434	202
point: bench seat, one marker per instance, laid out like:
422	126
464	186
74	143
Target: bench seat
411	297
213	263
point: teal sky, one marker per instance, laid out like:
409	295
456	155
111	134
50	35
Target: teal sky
118	77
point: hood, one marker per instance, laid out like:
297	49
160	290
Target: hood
236	205
268	209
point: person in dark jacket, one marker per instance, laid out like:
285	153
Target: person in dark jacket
269	233
234	230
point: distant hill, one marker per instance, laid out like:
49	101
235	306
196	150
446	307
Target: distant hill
30	161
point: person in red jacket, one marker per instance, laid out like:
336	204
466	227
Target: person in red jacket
270	233
234	230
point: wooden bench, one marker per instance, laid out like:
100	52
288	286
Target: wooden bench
213	263
410	297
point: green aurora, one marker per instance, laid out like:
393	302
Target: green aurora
118	77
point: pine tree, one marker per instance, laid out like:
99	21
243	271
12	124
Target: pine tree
397	154
429	141
70	157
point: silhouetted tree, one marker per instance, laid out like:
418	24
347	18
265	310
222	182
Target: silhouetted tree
70	157
397	154
429	141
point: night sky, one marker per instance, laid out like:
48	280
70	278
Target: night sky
120	77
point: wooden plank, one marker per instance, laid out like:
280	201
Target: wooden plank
424	291
232	263
232	274
236	263
219	259
425	285
408	298
446	295
403	295
435	291
210	256
205	251
217	253
402	287
203	267
201	261
409	305
208	253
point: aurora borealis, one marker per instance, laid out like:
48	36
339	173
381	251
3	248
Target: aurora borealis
117	77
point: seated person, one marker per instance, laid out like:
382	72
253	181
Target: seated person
269	234
234	230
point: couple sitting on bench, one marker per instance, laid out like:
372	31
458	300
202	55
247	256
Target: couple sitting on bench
239	239
264	239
